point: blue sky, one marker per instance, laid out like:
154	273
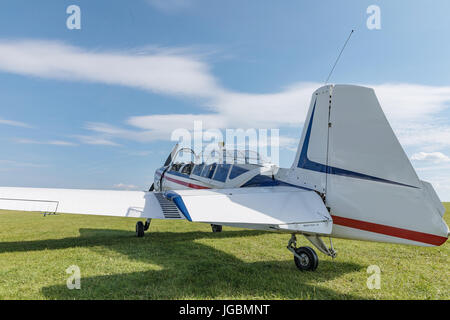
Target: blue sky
88	109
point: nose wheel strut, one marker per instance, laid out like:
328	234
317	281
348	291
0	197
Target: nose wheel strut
141	227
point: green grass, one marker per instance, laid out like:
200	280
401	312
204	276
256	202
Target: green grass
182	260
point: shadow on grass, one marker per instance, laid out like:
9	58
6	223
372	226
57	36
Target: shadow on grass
188	269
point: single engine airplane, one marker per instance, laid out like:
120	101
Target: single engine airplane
350	179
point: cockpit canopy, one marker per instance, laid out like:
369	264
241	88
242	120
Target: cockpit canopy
218	165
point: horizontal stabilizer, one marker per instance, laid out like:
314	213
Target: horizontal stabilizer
267	208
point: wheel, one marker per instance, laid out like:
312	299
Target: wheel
216	228
139	229
308	259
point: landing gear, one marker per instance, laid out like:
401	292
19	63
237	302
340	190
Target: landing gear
305	258
216	228
147	224
141	227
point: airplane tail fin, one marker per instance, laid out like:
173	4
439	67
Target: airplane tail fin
349	153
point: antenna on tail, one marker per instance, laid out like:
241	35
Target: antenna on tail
340	53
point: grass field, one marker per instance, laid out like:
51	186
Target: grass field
182	260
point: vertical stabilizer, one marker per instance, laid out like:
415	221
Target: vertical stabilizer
350	154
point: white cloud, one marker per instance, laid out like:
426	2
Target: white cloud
14	123
439	177
426	134
230	110
61	143
13	163
143	153
161	71
416	124
416	112
51	142
123	186
411	102
164	71
442	187
436	157
96	140
168	122
272	110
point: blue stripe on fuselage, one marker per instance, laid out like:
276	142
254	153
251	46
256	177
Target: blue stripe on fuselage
266	181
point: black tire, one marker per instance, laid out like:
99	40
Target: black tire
139	229
309	261
216	228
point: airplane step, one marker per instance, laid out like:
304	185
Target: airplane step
169	209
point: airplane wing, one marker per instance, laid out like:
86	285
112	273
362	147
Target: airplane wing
279	208
135	204
267	208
